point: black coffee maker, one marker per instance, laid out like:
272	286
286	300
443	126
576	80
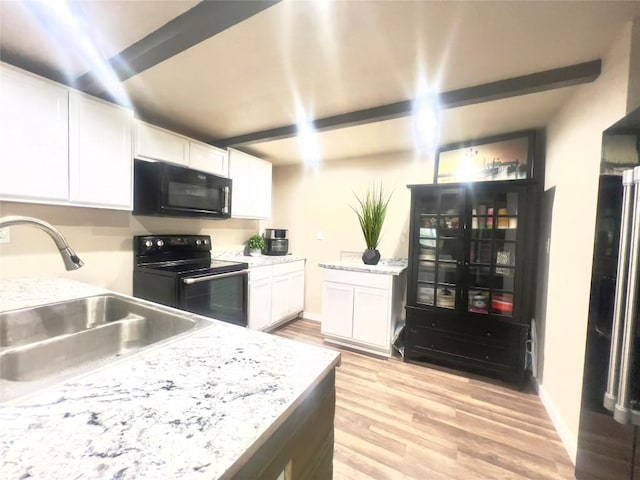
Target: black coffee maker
276	242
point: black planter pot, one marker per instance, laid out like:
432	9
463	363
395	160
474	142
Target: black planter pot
371	256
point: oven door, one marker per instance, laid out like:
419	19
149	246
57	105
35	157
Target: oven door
221	296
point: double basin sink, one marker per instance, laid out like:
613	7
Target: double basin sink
44	345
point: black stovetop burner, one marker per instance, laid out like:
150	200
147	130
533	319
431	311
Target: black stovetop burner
179	255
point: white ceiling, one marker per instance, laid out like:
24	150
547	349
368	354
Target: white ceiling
324	58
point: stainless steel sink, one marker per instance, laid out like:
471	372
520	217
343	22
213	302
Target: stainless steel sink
43	345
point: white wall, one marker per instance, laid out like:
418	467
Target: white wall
308	202
102	239
573	165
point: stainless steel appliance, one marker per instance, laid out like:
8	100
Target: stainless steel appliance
276	241
609	437
177	270
170	190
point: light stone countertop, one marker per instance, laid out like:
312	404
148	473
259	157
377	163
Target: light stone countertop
391	266
261	261
196	407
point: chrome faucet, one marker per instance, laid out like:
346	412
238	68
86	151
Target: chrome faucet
69	257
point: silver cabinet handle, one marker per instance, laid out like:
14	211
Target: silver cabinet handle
191	281
622	412
611	393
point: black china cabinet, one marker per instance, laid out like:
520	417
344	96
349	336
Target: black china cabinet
471	276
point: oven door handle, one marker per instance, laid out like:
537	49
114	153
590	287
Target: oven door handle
191	281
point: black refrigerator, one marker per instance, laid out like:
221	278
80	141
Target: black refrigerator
609	436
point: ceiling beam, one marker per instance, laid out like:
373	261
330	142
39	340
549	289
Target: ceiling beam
511	87
206	19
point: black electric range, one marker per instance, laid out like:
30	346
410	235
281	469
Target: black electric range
177	270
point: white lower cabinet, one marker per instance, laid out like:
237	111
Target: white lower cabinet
276	294
360	310
260	304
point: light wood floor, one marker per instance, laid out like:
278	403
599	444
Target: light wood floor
396	420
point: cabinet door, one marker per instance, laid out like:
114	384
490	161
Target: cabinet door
260	304
100	155
34	137
251	189
296	292
261	174
208	159
495	245
337	309
438	246
154	143
371	316
241	189
279	298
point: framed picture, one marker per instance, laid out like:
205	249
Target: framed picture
507	157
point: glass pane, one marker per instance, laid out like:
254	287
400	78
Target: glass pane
449	225
425	293
480	251
427	253
428	221
450	203
505	255
502	303
479	277
504	278
429	204
508	234
479	301
448	249
446	297
427	272
447	273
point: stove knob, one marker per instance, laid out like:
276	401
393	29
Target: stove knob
160	243
206	241
148	244
198	242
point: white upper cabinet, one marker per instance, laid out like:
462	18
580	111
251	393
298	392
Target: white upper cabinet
100	153
34	155
208	158
251	189
155	143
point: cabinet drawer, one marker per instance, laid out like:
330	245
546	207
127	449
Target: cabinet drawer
373	280
455	345
259	273
482	330
288	267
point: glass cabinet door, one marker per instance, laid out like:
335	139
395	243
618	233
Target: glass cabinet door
492	252
440	247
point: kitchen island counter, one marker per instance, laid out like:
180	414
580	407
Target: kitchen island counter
384	267
207	404
259	261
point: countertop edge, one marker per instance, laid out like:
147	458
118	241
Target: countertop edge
262	439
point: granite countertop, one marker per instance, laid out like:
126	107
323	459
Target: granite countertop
196	407
261	261
390	266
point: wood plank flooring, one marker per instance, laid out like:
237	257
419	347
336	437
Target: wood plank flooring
396	420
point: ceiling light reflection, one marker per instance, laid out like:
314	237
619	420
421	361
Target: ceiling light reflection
426	122
308	142
67	26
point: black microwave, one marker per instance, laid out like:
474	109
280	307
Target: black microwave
175	191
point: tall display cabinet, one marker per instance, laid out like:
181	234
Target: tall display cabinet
471	279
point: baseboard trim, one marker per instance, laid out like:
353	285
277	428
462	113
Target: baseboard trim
568	440
316	317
